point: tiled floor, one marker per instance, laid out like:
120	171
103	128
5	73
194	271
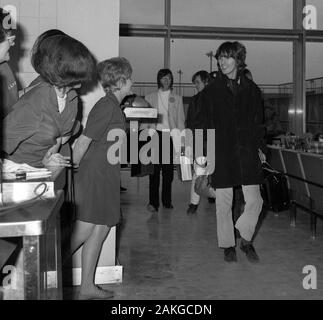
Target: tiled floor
171	255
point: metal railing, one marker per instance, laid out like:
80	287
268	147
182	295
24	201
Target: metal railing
314	85
188	89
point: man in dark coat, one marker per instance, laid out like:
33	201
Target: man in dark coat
233	108
195	113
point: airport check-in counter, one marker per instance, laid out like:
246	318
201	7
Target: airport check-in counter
35	273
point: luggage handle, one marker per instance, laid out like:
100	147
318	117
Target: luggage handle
270	168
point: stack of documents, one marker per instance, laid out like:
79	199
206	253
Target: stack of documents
13	171
22	182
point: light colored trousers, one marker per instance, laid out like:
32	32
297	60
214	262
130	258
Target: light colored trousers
199	169
246	223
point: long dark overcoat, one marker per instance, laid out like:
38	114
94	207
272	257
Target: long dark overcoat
238	123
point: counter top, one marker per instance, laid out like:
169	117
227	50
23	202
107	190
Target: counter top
318	155
29	219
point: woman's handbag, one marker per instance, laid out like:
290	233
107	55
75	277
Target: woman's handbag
203	186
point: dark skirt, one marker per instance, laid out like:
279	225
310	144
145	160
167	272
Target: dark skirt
97	191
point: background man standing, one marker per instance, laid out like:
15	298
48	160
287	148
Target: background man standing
170	116
195	111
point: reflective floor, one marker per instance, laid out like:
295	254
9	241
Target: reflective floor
172	255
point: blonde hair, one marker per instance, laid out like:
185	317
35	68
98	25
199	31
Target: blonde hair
112	71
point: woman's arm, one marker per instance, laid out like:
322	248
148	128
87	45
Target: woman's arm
80	148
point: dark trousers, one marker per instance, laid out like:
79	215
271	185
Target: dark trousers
167	178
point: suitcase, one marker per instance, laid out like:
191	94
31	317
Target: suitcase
274	190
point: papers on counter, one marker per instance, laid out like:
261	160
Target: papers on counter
12	170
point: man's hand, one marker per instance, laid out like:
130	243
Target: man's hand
262	156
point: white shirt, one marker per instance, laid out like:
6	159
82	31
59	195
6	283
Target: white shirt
163	124
61	103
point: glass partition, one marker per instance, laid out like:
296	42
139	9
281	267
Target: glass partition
277	14
142	11
146	56
314	88
270	63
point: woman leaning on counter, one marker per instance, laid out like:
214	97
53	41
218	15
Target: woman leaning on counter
42	120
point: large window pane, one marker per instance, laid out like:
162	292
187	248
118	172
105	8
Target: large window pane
142	11
314	87
271	65
234	13
146	56
270	62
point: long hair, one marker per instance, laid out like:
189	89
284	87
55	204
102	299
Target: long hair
64	61
235	50
162	73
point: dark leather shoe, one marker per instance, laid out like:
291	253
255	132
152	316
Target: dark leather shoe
230	254
250	252
168	206
192	208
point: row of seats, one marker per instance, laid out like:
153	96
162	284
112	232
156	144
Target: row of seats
304	172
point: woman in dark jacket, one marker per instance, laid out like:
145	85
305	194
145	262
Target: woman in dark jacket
234	109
